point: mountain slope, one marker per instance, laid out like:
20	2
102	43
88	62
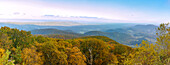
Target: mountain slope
106	39
50	31
139	32
55	33
129	36
119	37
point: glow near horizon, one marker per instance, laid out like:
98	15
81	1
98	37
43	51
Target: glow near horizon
131	10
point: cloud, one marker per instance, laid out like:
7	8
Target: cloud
35	9
16	13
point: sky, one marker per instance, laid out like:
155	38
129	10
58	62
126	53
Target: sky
145	11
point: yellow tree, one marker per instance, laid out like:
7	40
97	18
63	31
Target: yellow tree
53	53
163	42
5	42
144	54
31	57
96	51
75	57
112	57
1	52
121	51
150	54
4	58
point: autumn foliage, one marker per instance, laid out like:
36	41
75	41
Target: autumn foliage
23	48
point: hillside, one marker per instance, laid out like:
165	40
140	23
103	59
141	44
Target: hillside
16	44
148	29
50	31
139	32
106	39
45	50
122	38
55	33
129	36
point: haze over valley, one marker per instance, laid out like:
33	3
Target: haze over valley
84	32
125	33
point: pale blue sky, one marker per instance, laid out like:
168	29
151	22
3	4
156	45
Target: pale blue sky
130	10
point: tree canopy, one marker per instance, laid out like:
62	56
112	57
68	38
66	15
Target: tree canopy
21	47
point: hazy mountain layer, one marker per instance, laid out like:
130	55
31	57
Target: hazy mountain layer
122	33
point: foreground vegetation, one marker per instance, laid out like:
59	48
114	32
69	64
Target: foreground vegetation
21	47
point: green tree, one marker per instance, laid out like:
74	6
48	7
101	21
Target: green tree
4	58
163	43
16	55
41	39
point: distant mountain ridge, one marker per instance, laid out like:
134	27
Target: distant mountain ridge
137	33
77	28
128	34
50	31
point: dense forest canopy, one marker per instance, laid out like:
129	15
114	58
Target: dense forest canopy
21	47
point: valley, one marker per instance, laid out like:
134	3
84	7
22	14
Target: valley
128	34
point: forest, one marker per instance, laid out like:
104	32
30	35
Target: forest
19	47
